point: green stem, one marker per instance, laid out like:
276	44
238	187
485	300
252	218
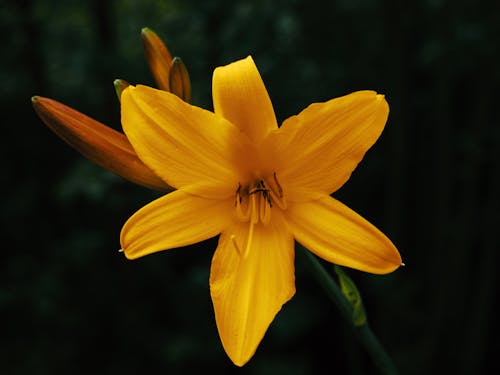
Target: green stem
365	335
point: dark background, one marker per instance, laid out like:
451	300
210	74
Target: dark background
70	304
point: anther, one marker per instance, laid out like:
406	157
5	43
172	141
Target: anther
238	195
278	197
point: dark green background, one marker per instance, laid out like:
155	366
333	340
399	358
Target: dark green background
70	304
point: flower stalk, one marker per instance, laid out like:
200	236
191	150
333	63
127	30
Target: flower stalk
363	332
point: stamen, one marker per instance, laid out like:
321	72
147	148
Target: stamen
280	201
243	216
235	244
248	244
265	193
265	209
280	189
254	212
238	195
278	196
249	240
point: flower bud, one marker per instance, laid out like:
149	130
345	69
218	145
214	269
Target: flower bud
99	143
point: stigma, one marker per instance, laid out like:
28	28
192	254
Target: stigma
254	202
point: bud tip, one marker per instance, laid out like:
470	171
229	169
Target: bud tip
145	30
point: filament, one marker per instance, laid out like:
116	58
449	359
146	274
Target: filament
248	244
235	244
265	210
240	214
254	217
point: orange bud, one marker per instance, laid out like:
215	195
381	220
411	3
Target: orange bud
120	85
158	58
180	84
99	143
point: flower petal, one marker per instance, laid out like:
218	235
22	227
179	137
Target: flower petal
318	149
185	145
339	235
248	291
97	142
174	220
240	96
158	58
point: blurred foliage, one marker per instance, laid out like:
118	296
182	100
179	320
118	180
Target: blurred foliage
71	304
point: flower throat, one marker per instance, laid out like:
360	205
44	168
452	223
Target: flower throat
253	204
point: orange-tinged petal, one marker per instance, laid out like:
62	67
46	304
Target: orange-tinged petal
240	96
339	235
318	149
158	58
174	220
248	291
179	81
99	143
185	145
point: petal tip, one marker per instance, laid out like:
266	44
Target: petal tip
392	264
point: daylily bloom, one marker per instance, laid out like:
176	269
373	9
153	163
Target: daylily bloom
259	186
103	145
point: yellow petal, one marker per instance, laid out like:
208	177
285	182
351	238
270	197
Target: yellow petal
174	220
318	149
240	96
247	292
179	81
339	235
183	144
158	58
99	143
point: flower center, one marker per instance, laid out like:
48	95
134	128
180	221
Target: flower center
253	204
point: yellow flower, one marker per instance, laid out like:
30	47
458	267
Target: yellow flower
259	186
103	145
